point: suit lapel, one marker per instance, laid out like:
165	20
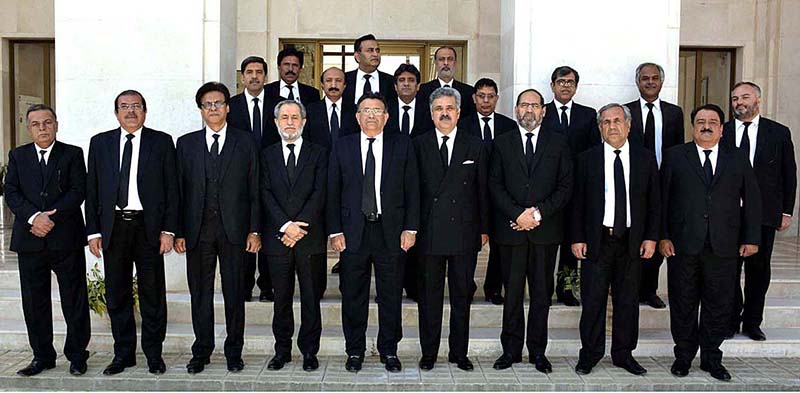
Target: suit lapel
538	151
113	145
229	149
145	147
33	162
388	147
722	162
432	147
694	161
762	141
245	113
52	162
302	159
201	149
519	151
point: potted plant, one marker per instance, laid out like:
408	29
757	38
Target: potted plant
96	286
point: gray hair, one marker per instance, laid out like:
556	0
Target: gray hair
751	84
648	64
289	102
445	92
40	107
612	106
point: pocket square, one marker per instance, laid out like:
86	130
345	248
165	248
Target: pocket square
467	162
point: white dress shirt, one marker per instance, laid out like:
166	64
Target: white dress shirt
220	140
47	151
374	82
329	108
524	137
610	190
752	134
134	203
298	144
713	156
450	138
377	151
481	123
250	98
400	111
658	122
448	84
285	90
558	110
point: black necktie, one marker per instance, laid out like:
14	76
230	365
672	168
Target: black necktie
215	147
620	202
650	129
529	150
291	163
367	85
369	204
256	121
443	152
42	165
334	123
745	143
709	171
125	173
487	131
406	123
291	92
564	119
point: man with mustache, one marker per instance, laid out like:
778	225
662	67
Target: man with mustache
252	110
293	181
290	65
408	113
711	216
768	145
578	123
131	218
446	62
367	78
657	125
530	182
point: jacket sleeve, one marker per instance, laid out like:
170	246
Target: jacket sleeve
412	196
577	218
665	180
559	198
172	200
333	204
788	174
269	203
653	220
315	204
92	193
483	189
500	196
19	205
179	151
70	202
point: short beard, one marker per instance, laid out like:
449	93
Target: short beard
289	137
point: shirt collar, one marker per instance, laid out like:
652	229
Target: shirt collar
361	73
656	104
480	117
559	105
451	83
48	149
284	84
412	104
378	138
123	133
523	131
328	103
221	133
714	150
250	97
624	149
297	144
451	136
754	122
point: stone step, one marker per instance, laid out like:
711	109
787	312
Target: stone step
484	342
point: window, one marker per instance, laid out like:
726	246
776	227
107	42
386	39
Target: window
706	75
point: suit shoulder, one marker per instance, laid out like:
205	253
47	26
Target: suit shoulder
641	151
584	108
632	104
188	136
21	149
777	127
104	134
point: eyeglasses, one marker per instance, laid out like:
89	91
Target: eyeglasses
130	107
371	111
526	105
215	105
482	97
566	82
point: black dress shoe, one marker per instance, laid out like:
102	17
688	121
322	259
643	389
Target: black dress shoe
427	362
156	366
118	365
266	297
392	364
462	363
583	368
632	366
279	360
354	363
495	298
680	368
717	371
35	367
654	301
197	365
541	363
77	367
755	333
310	362
235	365
336	268
569	299
505	361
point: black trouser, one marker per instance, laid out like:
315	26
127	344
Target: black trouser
128	247
749	311
264	281
460	274
311	270
534	262
648	285
615	267
354	283
201	264
707	281
411	273
494	271
37	306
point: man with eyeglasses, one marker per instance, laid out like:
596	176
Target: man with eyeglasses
578	123
372	217
221	215
446	61
367	78
530	183
131	220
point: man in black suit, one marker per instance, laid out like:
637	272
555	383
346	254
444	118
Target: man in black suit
132	217
367	78
373	203
768	145
578	124
455	225
221	216
445	59
44	188
252	110
702	240
488	124
659	129
408	114
616	215
530	182
332	117
290	65
293	180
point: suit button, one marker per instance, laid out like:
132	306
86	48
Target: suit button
454	201
526	186
452	219
435	200
465	183
705	216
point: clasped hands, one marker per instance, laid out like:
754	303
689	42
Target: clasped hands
294	233
42	224
526	221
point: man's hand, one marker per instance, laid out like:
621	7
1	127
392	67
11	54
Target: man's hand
253	243
746	250
95	245
167	241
407	240
647	249
338	243
786	222
666	248
526	220
484	239
288	241
42	225
295	230
579	250
180	245
516	227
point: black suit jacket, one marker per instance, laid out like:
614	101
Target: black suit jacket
158	188
239	118
775	168
582	132
238	185
513	189
588	203
308	94
399	190
64	190
689	211
466	91
671	125
318	126
474	125
303	199
386	86
454	200
422	117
